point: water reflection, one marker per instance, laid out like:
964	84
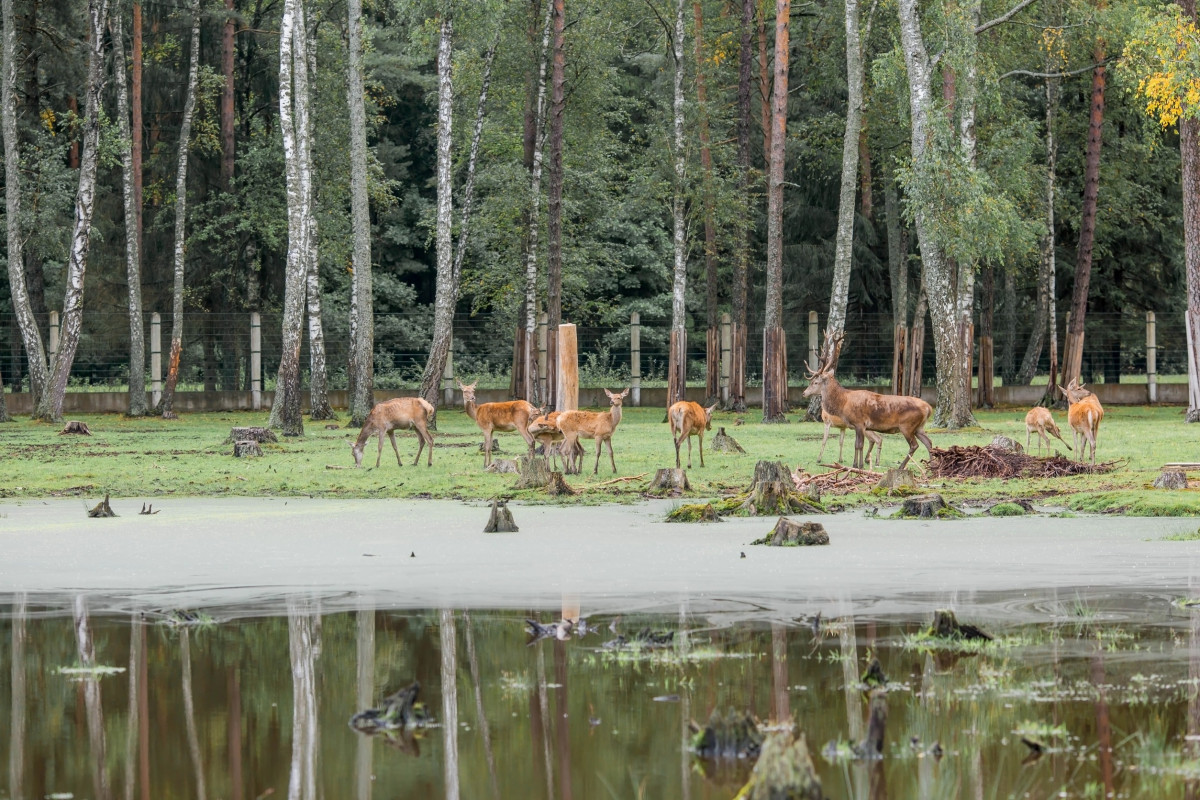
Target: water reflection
250	706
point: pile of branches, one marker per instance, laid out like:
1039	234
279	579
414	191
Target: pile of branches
839	480
994	462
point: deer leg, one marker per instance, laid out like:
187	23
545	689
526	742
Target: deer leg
395	449
821	454
379	455
701	439
912	448
599	450
689	452
677	443
924	440
429	441
487	448
528	437
859	435
613	458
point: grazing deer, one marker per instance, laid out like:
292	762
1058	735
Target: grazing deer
689	419
1084	414
867	411
834	421
598	425
545	429
401	414
493	418
1039	419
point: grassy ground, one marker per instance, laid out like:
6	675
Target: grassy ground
152	457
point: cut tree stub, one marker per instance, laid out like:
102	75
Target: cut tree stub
503	465
872	745
255	434
784	769
672	482
557	487
534	473
897	479
75	426
1171	478
501	519
246	448
1005	443
927	506
102	509
797	534
724	443
495	446
946	626
735	735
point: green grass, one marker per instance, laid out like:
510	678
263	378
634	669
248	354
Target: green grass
1182	536
153	458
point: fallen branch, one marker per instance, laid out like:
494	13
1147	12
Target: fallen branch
855	470
619	480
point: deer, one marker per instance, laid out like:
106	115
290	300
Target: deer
1040	420
400	414
598	425
491	418
689	419
545	429
1084	413
834	421
868	411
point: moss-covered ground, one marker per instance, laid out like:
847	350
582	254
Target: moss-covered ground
151	457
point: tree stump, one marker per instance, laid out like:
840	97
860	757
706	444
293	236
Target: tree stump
773	493
791	534
872	745
946	626
495	446
874	674
735	735
897	479
784	770
503	466
694	512
1171	478
501	520
250	434
534	473
1011	508
669	483
557	487
75	426
927	506
399	711
102	509
1005	443
724	443
246	448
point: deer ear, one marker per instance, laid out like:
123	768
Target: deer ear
626	392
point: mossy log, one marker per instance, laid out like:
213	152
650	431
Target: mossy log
897	479
75	426
501	519
795	534
245	448
669	483
1171	478
735	735
503	466
784	771
946	626
534	473
255	434
927	506
102	509
1011	508
557	487
1005	443
724	443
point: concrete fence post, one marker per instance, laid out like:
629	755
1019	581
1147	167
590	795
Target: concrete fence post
542	367
448	378
814	331
155	358
255	361
726	353
53	337
635	359
1151	358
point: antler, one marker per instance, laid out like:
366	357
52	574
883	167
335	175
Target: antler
831	351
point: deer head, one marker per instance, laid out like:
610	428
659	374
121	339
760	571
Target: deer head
616	399
708	412
824	371
468	392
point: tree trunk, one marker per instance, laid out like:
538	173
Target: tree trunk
677	360
27	323
916	346
713	339
1189	146
987	397
50	406
362	343
133	269
4	415
135	103
472	158
1073	355
764	86
898	274
1008	321
554	200
447	296
737	370
775	349
227	132
285	410
1044	321
185	133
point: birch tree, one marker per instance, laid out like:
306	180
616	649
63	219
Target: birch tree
51	403
677	364
774	338
181	171
713	350
362	316
737	371
554	198
133	260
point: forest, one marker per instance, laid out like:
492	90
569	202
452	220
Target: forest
1005	187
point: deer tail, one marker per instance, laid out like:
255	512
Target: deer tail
425	404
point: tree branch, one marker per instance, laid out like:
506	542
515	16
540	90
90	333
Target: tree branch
1069	73
1005	18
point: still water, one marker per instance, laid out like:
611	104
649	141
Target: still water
250	703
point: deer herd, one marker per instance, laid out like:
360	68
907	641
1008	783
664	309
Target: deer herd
868	414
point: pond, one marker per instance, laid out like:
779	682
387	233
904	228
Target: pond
1082	694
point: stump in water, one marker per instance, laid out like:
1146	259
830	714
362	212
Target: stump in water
669	483
928	506
897	479
1171	478
504	466
694	512
399	711
791	534
1011	508
557	487
245	448
1005	443
736	735
773	493
501	520
872	745
75	426
874	675
946	626
102	509
534	473
250	434
724	443
784	770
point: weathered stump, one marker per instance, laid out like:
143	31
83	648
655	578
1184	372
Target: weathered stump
1171	478
501	519
724	443
1005	443
872	745
946	626
669	483
927	506
495	446
873	676
75	426
333	427
1011	508
784	771
557	487
694	512
897	479
399	711
503	466
735	735
534	473
773	493
102	509
254	434
246	448
791	534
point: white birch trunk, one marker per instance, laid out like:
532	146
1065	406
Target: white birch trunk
31	337
133	260
449	649
51	403
844	249
535	202
302	651
92	701
362	317
678	371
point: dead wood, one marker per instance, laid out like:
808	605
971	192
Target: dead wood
897	479
873	676
246	448
795	534
534	473
625	479
503	466
724	443
495	446
255	434
75	426
872	745
1005	443
735	735
784	770
669	483
1171	479
399	711
773	493
927	506
102	509
148	509
557	487
946	626
840	480
501	519
973	461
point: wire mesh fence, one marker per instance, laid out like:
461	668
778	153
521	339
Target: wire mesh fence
216	350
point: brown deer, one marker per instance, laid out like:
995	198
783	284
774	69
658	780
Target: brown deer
689	419
401	414
492	418
598	425
834	421
1040	420
867	411
545	430
1084	414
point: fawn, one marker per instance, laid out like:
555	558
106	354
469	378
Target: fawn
1040	420
689	419
514	415
403	413
598	425
834	421
1084	414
